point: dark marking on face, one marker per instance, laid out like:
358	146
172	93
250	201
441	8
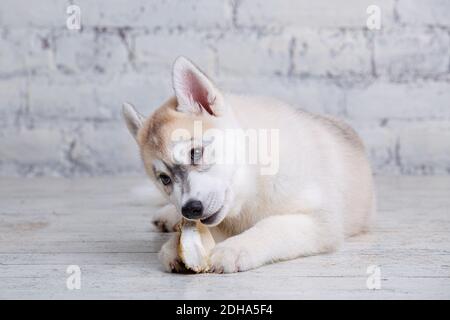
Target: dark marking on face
168	188
179	173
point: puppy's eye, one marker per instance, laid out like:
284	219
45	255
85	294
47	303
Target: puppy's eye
196	155
165	179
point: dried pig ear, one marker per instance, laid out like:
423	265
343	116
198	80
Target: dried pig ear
195	245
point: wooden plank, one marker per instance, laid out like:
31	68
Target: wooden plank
47	224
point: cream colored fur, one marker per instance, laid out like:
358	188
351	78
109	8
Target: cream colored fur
323	190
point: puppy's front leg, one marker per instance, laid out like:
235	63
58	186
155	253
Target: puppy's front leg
168	255
166	219
272	239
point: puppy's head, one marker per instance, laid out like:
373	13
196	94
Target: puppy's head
179	143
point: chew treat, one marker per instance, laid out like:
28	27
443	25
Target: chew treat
195	245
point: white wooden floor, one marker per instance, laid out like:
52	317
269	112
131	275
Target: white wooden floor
48	224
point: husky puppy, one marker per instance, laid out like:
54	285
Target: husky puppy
316	189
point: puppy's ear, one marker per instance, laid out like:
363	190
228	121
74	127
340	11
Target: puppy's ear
133	119
195	92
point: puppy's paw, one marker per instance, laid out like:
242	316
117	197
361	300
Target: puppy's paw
165	225
230	258
168	256
166	219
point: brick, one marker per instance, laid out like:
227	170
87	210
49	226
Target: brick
430	12
380	144
23	13
425	148
96	102
103	148
331	53
423	100
271	14
412	52
30	146
257	55
155	53
72	102
12	100
93	56
118	13
304	94
25	51
145	93
202	14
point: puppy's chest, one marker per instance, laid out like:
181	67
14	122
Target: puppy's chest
302	200
246	218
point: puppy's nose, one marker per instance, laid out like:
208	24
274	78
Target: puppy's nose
193	209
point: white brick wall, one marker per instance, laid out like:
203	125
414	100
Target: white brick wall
61	90
412	52
331	52
306	13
